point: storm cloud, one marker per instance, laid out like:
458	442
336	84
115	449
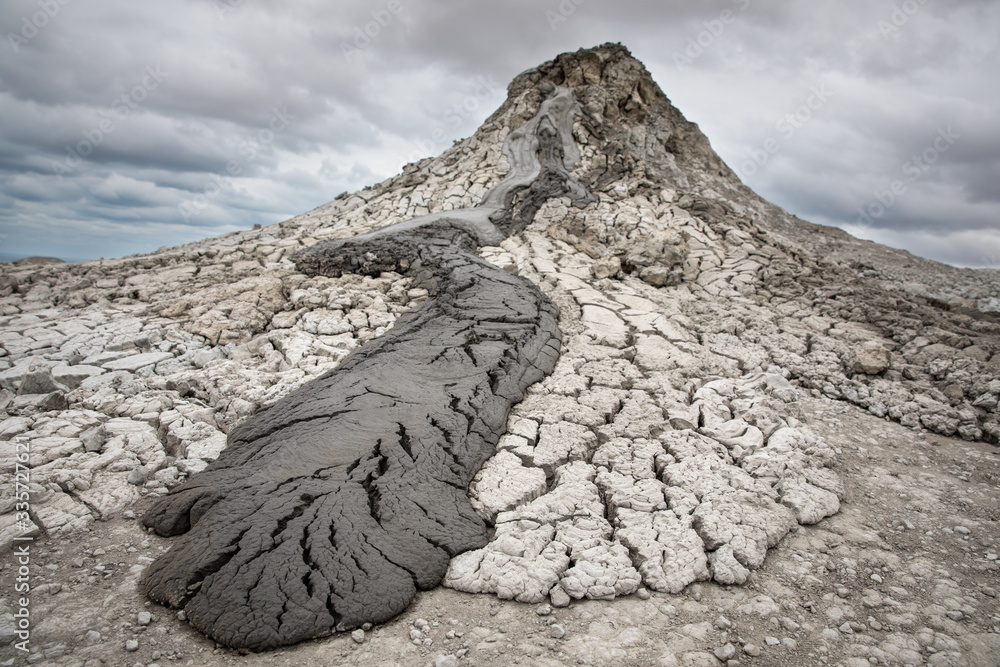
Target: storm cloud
129	126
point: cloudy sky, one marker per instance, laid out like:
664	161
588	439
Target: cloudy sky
127	126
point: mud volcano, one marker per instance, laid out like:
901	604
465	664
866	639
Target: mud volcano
333	506
572	362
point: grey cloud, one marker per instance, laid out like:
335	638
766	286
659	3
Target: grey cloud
359	119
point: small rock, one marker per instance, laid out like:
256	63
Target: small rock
557	632
131	645
8	629
92	637
789	624
358	636
669	659
94	438
643	593
38	380
722	623
544	610
446	661
725	652
877	578
955	615
128	514
559	597
608	267
137	477
144	618
751	650
790	643
962	530
182	615
871	358
772	641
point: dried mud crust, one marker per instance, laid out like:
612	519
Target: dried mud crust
819	578
332	507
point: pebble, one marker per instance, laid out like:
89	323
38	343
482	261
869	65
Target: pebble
557	632
846	629
772	641
789	624
544	610
962	530
92	637
643	594
131	645
144	618
751	650
358	636
559	597
876	578
722	623
725	652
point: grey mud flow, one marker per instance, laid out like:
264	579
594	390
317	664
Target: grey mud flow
333	506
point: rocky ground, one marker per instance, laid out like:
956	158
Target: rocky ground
763	442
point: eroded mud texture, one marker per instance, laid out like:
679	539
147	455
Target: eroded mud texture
333	506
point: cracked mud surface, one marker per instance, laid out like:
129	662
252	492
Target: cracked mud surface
332	507
739	397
